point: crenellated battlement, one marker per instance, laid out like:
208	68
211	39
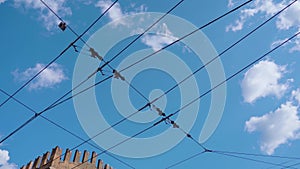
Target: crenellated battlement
54	161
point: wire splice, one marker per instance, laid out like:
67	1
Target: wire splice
95	54
174	125
159	111
117	75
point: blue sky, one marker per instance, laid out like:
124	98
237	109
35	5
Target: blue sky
261	112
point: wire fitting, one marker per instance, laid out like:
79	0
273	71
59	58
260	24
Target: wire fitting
159	111
117	75
95	54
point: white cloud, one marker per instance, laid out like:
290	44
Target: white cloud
49	78
267	7
287	20
238	25
278	42
263	80
296	44
162	37
296	95
2	1
276	127
4	160
49	20
230	3
114	13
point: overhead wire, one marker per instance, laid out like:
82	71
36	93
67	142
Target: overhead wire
146	105
66	130
187	35
140	35
292	165
186	159
57	57
52	106
254	160
204	94
224	153
214	20
126	47
233	154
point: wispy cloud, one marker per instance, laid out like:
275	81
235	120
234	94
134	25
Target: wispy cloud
263	80
116	12
162	37
49	78
296	96
230	3
4	161
276	127
287	20
49	20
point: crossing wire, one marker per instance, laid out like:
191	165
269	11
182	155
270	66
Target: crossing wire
205	26
126	47
52	106
148	104
79	37
57	57
172	88
66	130
60	55
204	94
214	20
185	36
232	154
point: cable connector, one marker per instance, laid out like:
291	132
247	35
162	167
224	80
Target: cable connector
159	111
95	54
98	70
75	48
117	75
174	124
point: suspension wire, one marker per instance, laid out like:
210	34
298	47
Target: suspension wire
130	115
57	57
292	165
251	159
185	106
66	130
146	105
258	155
125	140
126	47
140	35
187	35
186	159
232	154
70	45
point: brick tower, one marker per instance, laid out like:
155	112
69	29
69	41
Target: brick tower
54	161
